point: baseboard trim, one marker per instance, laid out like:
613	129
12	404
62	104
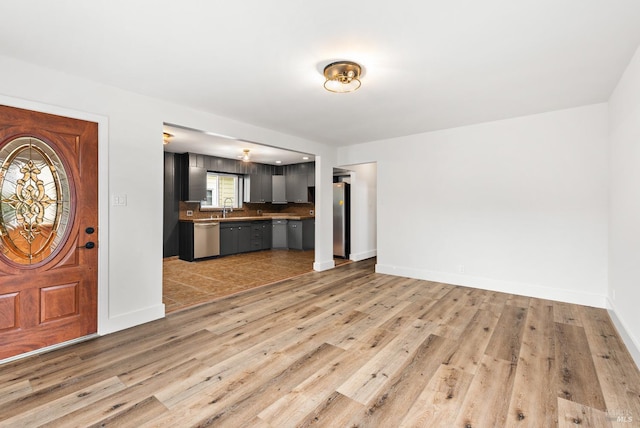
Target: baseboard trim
131	319
529	290
632	344
356	257
322	266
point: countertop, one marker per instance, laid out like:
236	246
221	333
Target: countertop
254	218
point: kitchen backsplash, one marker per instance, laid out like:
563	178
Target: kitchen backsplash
247	210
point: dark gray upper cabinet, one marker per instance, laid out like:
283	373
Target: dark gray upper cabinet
279	195
196	160
229	166
267	183
215	164
260	186
296	182
232	166
193	177
311	175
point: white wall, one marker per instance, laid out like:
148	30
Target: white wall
517	205
130	291
363	210
324	211
624	238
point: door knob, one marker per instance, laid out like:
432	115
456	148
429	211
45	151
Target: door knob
89	230
89	245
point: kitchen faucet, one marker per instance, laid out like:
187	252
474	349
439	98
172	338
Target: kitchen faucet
224	207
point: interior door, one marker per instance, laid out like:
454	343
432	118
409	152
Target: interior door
48	229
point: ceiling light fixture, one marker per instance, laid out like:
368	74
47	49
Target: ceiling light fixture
245	156
342	76
166	137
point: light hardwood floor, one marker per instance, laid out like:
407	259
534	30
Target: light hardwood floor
342	348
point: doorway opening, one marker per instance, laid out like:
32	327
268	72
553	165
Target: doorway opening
362	182
265	222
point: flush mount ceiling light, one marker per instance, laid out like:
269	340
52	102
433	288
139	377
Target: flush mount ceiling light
245	155
166	137
342	76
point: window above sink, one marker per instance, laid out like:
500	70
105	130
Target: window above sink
223	191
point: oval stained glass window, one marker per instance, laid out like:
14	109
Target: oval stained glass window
34	201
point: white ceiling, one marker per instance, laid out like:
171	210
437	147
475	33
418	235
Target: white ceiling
428	64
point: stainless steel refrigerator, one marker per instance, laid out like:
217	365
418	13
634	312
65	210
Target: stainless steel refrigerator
341	220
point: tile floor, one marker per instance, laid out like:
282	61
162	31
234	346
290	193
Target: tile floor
189	283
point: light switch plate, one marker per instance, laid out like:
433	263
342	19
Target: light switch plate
119	200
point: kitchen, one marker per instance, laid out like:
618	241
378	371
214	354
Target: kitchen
243	211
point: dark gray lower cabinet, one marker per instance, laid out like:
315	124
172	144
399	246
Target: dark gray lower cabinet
256	237
260	235
279	234
308	234
301	234
266	235
228	239
186	241
294	235
242	237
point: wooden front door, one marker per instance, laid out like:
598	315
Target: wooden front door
48	230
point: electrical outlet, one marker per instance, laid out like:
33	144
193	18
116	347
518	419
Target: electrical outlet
189	213
259	212
311	212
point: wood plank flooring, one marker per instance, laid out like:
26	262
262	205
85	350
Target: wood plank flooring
342	348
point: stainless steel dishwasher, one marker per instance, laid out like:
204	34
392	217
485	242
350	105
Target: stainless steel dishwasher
206	240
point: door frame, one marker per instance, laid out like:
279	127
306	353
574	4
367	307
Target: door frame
103	201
